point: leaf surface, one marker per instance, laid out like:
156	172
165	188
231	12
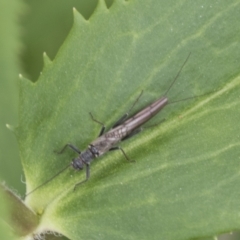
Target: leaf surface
184	183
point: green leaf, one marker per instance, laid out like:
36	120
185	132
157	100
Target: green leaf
184	183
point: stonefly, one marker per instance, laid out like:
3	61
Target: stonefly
123	129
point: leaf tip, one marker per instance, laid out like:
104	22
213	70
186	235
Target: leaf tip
46	60
100	9
10	127
102	5
22	78
78	17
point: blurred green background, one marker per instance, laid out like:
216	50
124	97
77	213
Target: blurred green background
27	29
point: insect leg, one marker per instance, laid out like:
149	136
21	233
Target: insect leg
125	116
87	177
125	155
103	127
75	149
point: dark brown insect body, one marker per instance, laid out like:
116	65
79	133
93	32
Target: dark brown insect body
108	141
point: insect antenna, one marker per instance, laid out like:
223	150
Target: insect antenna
49	180
177	74
189	98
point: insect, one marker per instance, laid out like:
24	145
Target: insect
123	129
